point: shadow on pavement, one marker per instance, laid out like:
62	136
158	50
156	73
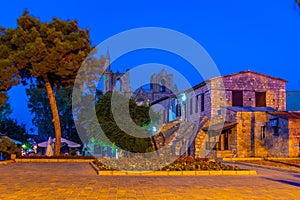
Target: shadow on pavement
289	164
297	175
284	181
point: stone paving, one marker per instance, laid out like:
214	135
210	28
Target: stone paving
36	181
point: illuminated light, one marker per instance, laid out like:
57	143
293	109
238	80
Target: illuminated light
183	97
23	146
154	129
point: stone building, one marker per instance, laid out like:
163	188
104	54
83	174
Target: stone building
238	115
161	85
115	81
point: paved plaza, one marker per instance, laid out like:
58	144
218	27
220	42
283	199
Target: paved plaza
79	181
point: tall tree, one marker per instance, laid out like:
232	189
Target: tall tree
39	106
8	72
52	52
139	114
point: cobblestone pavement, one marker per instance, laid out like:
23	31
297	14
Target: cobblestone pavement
79	181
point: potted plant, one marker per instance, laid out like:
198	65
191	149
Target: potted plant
8	148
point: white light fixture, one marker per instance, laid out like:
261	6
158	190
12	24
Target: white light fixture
183	97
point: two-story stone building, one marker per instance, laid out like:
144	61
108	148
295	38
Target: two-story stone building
240	115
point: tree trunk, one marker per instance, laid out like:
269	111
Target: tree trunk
55	116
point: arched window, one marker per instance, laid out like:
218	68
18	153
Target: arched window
118	85
162	86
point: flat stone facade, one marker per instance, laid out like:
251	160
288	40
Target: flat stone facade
256	136
294	137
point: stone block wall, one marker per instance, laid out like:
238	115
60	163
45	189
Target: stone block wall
260	148
232	138
251	141
294	137
278	144
249	83
243	130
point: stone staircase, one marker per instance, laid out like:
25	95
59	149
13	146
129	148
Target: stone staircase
177	136
165	134
224	154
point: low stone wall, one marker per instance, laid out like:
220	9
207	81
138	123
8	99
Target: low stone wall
256	158
52	160
176	173
6	162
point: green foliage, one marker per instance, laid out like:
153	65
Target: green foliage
139	115
5	111
8	72
13	129
55	49
7	146
39	106
10	126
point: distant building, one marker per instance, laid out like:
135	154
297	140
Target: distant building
293	100
161	85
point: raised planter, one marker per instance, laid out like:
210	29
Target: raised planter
185	166
172	173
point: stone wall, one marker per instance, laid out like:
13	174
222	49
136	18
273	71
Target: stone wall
243	130
251	141
278	145
260	148
294	137
197	114
249	83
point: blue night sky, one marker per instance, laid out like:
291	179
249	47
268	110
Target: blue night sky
262	36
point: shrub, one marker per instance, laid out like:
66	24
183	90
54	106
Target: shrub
7	147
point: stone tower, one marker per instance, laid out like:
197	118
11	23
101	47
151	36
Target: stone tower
162	83
115	81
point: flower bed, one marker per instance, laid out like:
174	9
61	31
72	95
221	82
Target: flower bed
181	164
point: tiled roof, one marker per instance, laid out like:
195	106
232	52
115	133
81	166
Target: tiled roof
221	126
286	114
252	72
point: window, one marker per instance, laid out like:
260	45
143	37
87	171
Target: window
274	123
237	98
178	110
118	85
275	131
260	99
162	86
191	106
202	102
263	132
196	104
